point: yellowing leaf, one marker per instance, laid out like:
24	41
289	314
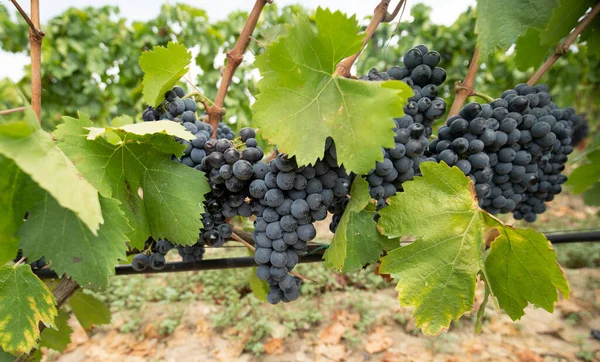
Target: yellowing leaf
436	274
24	302
301	103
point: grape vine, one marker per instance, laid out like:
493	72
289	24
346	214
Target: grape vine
363	152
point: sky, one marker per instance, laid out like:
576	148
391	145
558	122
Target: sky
11	65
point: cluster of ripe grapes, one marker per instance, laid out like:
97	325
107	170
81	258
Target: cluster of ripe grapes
292	199
513	148
401	163
228	165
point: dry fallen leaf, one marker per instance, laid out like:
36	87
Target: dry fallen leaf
151	331
232	351
333	333
346	318
378	341
329	352
274	346
527	355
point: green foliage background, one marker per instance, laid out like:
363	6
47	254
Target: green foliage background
90	55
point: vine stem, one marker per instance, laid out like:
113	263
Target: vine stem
35	43
464	89
234	59
236	237
380	15
14	110
562	48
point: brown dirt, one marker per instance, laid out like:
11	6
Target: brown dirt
539	336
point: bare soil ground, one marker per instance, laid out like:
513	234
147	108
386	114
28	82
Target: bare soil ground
539	336
353	323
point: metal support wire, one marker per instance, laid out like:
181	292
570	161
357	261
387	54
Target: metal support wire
315	254
574	237
207	264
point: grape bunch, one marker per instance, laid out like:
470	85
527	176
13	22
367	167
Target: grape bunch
581	129
183	110
401	163
35	265
228	164
513	148
422	74
289	200
153	257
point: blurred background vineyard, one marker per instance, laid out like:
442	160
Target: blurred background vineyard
90	64
90	58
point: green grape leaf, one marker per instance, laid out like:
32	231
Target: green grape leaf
522	268
89	310
57	339
24	302
260	288
499	23
146	128
529	51
11	212
55	233
591	35
592	195
160	198
586	175
121	121
302	102
356	241
564	18
437	272
36	154
6	357
163	67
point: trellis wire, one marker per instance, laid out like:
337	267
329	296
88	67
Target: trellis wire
315	254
